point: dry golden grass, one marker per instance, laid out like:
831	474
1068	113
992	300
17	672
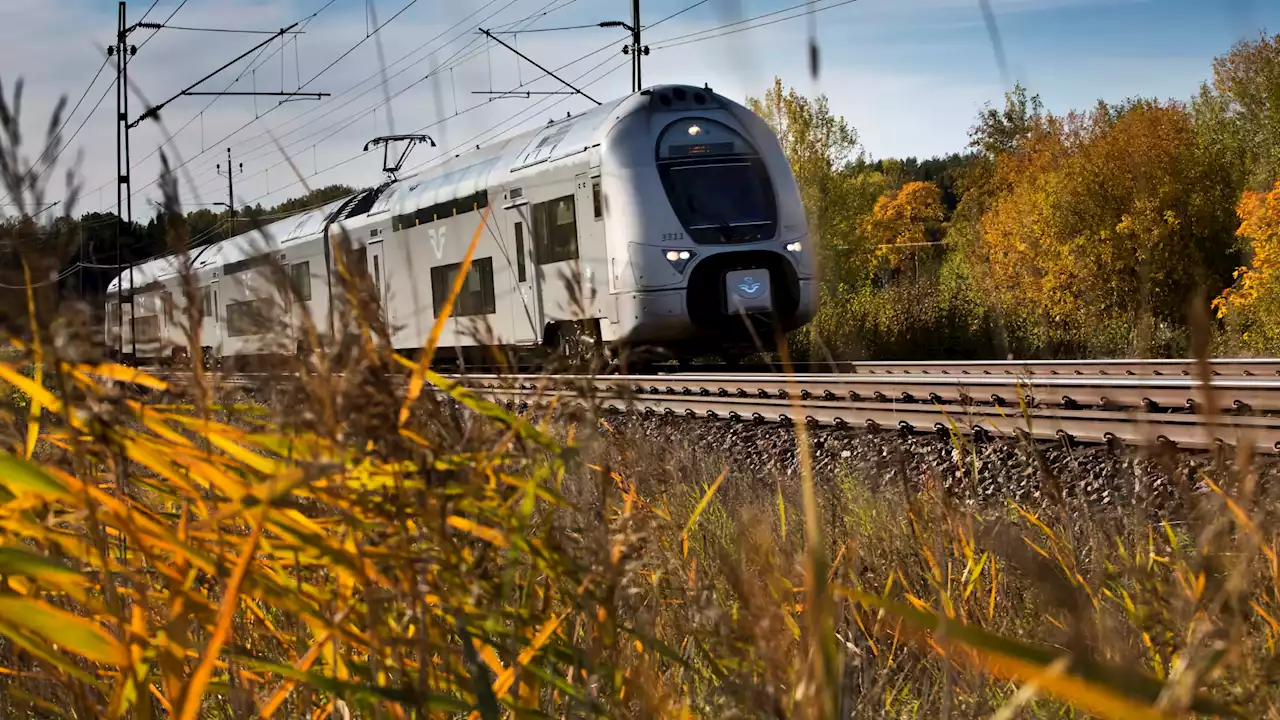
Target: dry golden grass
346	548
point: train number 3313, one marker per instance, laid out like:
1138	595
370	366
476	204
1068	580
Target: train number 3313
672	236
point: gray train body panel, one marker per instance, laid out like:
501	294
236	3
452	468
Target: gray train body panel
669	217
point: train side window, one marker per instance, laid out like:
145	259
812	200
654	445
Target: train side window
555	236
521	271
377	277
248	317
217	313
206	302
476	296
300	275
595	198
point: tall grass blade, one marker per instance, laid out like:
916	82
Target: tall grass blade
1108	690
697	510
230	600
37	362
19	562
59	627
21	477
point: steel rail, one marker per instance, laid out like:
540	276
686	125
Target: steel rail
935	404
1090	426
1225	367
1163	366
1232	394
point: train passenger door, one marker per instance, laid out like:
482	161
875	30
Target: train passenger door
593	261
210	333
377	271
127	320
562	277
526	304
170	335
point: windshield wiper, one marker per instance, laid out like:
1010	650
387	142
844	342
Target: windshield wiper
714	218
726	230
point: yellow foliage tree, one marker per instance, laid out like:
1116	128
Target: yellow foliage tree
1253	302
1103	225
904	217
820	147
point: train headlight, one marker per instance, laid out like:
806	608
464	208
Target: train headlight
679	258
794	247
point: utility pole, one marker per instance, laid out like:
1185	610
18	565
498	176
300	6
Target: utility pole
635	46
122	51
635	49
124	191
231	201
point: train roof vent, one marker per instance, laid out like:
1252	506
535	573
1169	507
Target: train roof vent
683	97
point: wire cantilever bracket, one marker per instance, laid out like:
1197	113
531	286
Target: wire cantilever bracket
386	140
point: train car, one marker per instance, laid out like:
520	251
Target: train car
665	219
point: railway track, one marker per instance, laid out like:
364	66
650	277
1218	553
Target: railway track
1182	430
1256	367
1239	395
1238	406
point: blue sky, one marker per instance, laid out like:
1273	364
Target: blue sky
910	75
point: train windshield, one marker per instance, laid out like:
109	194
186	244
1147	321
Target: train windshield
717	183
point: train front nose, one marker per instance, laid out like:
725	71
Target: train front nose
744	296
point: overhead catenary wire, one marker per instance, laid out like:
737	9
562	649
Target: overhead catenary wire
148	38
84	121
221	142
575	61
154	3
690	38
159	26
303	23
251	66
451	62
675	14
471	140
460	110
58	133
51	281
340	126
592	26
488	131
269	145
362	112
806	8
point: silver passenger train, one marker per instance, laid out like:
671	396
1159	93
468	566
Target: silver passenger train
672	211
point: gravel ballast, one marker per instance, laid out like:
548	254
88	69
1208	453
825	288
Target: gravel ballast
1158	480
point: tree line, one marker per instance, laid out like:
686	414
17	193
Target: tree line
1137	228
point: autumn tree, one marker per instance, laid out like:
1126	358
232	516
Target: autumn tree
825	158
1104	224
1252	304
1239	113
1000	131
909	216
819	146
